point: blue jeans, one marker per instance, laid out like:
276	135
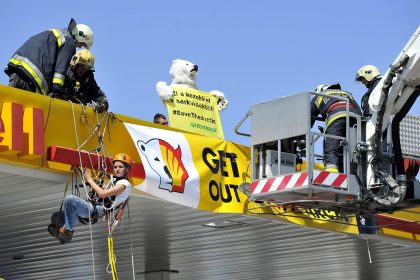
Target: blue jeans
75	207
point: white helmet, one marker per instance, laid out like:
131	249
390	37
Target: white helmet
324	87
369	72
83	34
321	88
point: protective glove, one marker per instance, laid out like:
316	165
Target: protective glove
98	107
101	107
58	95
92	104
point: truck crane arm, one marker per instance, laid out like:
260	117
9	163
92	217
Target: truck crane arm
393	97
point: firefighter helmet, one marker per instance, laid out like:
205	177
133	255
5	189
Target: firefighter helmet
321	88
324	87
369	72
83	34
83	57
122	157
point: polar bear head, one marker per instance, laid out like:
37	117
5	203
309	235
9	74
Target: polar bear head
166	162
183	73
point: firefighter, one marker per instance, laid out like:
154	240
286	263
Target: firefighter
370	76
40	64
75	207
333	113
80	85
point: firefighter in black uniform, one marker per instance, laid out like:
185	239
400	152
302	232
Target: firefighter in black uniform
370	76
80	85
333	112
40	64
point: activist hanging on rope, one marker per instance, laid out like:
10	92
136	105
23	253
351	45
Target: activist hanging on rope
102	201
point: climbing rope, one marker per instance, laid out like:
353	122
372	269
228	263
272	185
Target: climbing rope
131	241
84	184
111	256
95	128
102	172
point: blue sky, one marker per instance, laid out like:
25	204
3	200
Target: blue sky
252	51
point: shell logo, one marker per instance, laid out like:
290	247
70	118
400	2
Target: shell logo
21	130
166	162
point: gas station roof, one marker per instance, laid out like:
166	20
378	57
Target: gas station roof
181	242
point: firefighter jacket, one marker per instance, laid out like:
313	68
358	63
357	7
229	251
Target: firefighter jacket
364	103
331	109
43	59
84	90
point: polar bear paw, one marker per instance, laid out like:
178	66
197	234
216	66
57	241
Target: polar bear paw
165	92
222	102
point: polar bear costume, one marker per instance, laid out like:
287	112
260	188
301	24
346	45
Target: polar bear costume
183	73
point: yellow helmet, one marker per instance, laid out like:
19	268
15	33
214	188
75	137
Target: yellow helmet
83	57
369	72
122	157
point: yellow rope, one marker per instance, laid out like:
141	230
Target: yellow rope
112	258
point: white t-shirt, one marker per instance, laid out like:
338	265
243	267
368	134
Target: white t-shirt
120	198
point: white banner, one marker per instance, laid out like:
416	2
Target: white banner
169	168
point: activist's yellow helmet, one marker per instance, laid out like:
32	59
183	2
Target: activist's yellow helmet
122	157
369	72
83	57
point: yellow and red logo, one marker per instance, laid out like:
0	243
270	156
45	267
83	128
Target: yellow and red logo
21	130
166	162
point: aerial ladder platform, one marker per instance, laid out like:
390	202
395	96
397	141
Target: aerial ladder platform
286	153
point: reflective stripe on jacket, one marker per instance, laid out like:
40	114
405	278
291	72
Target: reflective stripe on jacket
331	109
44	58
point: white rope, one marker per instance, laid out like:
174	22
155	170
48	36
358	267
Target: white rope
368	248
105	151
131	241
97	131
98	161
84	185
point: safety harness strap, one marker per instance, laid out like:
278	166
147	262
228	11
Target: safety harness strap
120	208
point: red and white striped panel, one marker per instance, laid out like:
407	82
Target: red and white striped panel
280	183
290	181
336	180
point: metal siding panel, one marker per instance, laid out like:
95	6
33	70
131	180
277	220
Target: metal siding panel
281	118
166	235
410	135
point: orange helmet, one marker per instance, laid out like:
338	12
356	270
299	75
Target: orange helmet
122	157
